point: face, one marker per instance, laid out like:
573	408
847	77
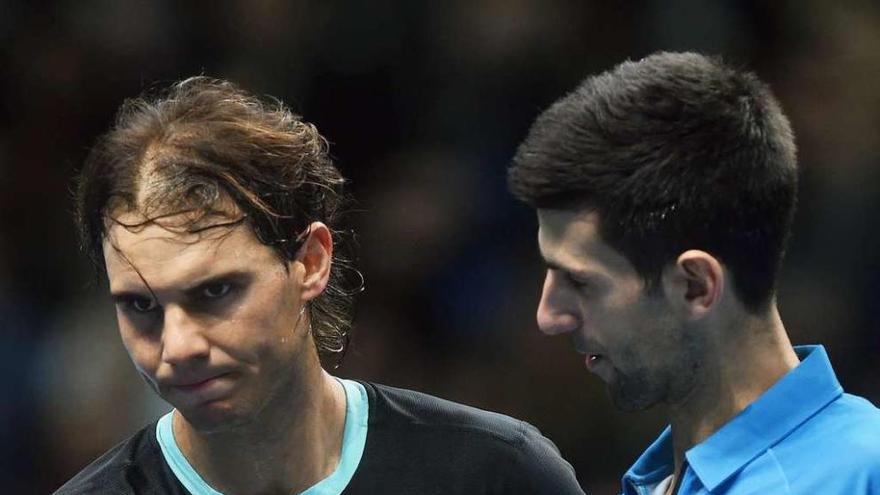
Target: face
212	321
630	337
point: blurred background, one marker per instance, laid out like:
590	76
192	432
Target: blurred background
424	104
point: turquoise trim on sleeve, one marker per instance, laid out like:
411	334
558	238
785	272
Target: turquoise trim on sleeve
354	440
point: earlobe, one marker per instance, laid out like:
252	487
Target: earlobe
316	258
696	282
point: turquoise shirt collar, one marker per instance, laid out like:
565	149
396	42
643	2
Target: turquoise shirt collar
354	439
797	396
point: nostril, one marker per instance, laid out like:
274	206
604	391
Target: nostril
567	323
553	324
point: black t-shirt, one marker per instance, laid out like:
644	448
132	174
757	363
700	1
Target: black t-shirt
416	444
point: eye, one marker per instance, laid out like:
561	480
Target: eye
142	304
588	286
216	290
576	282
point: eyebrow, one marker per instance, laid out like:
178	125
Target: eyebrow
582	274
123	296
192	288
555	265
239	276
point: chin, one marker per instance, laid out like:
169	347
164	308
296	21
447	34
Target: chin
630	405
627	404
215	417
627	398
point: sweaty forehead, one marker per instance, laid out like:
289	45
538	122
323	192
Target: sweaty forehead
166	255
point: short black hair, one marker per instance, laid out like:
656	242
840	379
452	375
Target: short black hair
675	151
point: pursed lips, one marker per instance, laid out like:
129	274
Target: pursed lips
188	383
199	390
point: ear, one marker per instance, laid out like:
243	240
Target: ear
695	283
317	253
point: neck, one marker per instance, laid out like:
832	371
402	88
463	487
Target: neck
287	449
745	359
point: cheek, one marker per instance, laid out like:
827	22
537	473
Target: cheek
277	314
610	322
144	353
658	341
263	327
637	334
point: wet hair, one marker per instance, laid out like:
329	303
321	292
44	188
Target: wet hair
676	151
192	147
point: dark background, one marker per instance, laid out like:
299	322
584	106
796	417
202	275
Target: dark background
424	104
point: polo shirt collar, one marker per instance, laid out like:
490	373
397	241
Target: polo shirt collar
797	396
655	464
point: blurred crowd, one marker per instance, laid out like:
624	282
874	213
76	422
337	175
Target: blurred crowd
424	104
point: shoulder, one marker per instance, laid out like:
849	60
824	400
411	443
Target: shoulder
465	435
128	468
838	445
852	429
420	411
851	423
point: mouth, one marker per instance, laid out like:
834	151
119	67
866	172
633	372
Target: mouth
200	391
198	384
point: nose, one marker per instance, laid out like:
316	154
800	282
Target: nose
183	338
557	312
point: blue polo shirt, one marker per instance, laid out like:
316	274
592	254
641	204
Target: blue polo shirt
801	436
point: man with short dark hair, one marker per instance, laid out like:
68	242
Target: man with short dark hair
665	190
215	216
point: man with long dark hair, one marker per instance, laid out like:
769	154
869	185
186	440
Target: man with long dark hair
215	215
